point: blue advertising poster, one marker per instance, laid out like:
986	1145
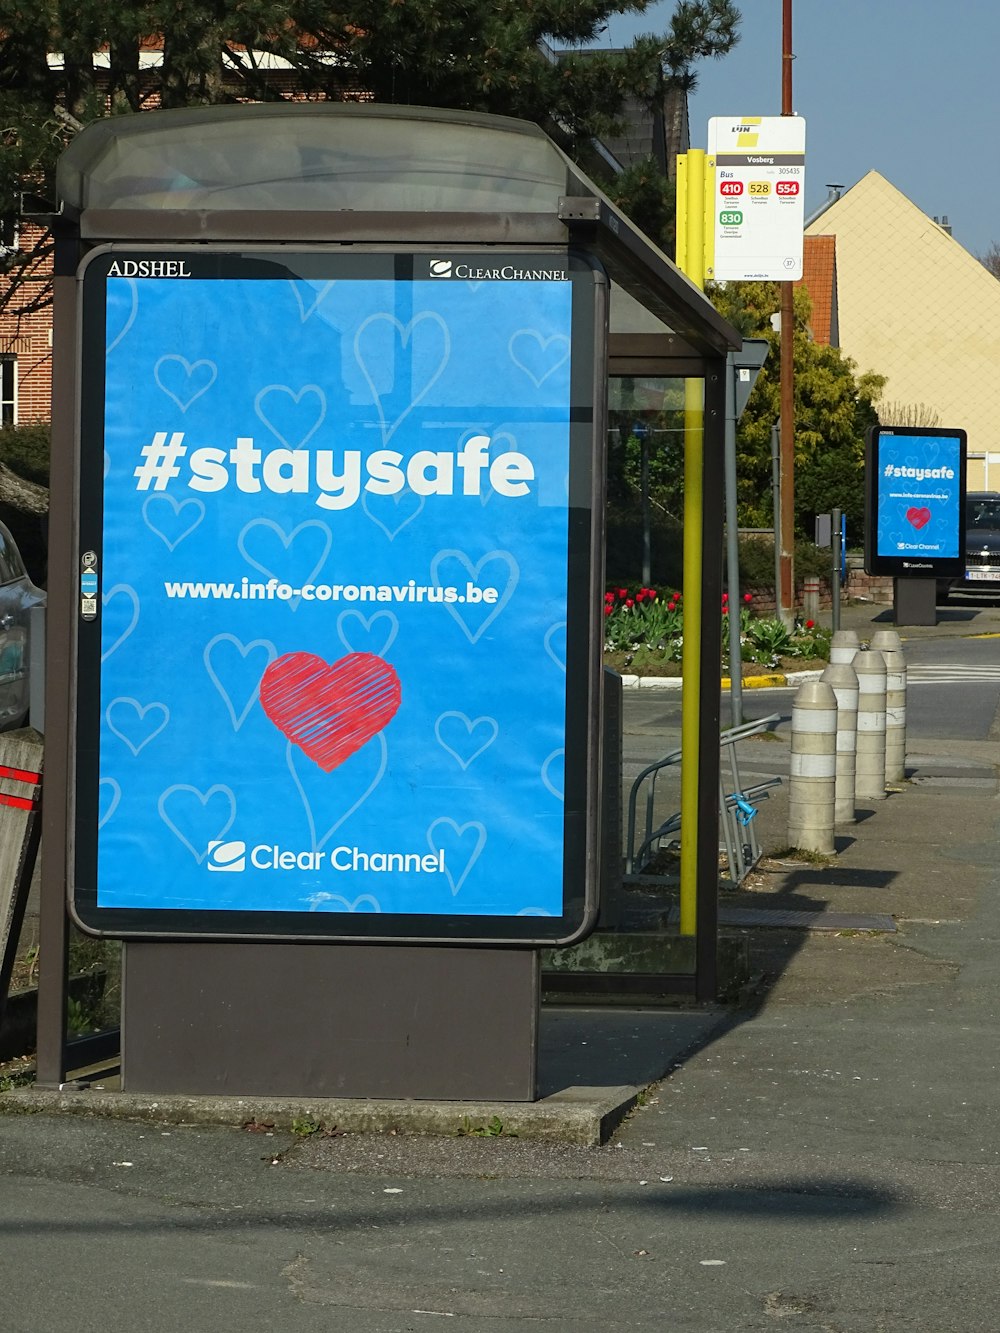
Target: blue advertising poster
916	500
333	560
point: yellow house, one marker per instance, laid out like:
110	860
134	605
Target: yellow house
911	304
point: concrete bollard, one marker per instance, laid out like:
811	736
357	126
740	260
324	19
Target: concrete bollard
844	644
812	779
869	782
890	645
843	680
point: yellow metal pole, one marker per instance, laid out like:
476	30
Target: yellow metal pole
693	265
680	213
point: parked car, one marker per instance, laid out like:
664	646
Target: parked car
18	596
982	547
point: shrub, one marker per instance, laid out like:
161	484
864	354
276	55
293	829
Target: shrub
25	450
756	557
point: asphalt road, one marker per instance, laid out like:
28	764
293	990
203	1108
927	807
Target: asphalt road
694	1224
953	693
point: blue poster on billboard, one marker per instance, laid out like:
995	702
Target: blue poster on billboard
327	622
916	501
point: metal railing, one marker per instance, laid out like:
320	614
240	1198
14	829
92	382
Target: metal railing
737	835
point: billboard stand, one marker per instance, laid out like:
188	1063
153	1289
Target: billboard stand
915	479
914	601
332	1020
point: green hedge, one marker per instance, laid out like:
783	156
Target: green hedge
756	555
25	450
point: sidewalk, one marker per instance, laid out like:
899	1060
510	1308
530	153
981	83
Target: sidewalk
906	861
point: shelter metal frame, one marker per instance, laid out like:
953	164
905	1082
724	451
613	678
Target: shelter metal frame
693	341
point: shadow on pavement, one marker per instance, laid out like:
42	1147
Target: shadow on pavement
783	1196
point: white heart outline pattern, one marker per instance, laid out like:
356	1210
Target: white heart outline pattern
318	296
296	399
133	285
367	624
293	753
178	505
286	540
543	345
395	499
244	650
405	334
547	780
514	574
141	712
471	724
116	796
460	831
134	596
550	634
189	368
204	798
318	902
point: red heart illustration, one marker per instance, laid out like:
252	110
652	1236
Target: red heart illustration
329	710
918	517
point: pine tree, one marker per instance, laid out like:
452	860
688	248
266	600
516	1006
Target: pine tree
486	55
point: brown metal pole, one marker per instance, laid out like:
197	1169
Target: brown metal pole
786	594
53	918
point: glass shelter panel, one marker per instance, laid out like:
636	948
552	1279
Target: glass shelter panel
292	157
652	421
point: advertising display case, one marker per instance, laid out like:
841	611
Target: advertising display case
915	502
334	521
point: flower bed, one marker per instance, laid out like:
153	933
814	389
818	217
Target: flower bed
644	635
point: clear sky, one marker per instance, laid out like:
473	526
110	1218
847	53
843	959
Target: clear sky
908	88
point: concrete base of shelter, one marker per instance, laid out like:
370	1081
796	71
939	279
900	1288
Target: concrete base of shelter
585	1116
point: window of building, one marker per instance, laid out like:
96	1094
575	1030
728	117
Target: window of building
8	391
9	237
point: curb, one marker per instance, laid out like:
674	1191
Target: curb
583	1116
773	680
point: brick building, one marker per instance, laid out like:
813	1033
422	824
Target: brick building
26	342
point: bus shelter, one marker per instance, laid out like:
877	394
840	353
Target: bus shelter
324	690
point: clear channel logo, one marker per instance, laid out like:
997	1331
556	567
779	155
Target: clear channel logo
234	857
227	857
448	268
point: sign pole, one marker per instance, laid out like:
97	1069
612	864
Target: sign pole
733	552
838	556
692	262
786	599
